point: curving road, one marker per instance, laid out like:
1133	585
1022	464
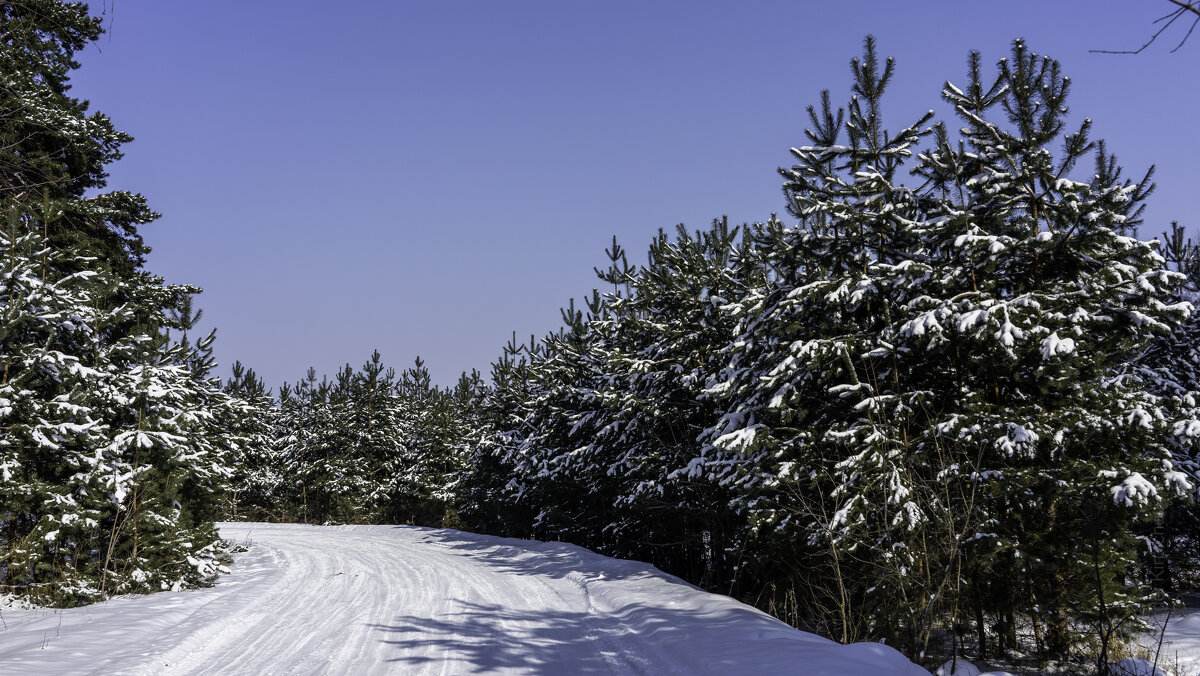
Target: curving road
404	600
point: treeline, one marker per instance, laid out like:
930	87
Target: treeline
955	398
367	447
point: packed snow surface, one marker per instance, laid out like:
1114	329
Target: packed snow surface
405	600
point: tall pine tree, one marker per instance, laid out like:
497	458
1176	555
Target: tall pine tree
112	466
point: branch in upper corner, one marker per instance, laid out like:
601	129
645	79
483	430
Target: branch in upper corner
1182	9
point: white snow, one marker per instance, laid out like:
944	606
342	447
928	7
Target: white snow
397	599
1053	346
1180	649
957	668
1135	488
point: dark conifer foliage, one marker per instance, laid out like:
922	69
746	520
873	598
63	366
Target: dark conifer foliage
52	150
1171	365
487	484
928	398
597	425
251	425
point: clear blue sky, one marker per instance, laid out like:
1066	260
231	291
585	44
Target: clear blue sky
427	177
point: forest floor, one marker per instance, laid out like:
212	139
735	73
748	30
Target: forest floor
396	599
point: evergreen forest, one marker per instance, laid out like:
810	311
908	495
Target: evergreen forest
946	397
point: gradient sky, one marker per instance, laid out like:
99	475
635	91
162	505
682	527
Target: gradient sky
427	177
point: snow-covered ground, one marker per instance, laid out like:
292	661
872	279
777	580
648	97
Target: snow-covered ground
403	600
1180	649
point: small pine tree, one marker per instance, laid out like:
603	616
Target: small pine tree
256	481
112	468
1170	366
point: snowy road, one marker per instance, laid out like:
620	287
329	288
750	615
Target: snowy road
403	600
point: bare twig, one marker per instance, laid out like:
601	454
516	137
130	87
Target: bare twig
1182	9
1161	635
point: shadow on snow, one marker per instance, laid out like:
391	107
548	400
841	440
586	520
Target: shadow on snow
484	638
555	560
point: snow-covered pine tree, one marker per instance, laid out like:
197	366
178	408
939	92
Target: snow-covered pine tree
307	447
50	530
817	431
110	457
467	427
53	149
487	485
169	446
111	467
385	438
660	329
185	317
348	445
1170	366
592	430
1051	299
927	395
371	447
416	470
556	475
256	480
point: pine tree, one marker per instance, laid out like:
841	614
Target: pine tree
591	432
423	468
559	475
488	486
660	330
1062	299
51	149
256	481
818	434
307	447
927	396
467	429
371	447
112	466
1170	366
49	532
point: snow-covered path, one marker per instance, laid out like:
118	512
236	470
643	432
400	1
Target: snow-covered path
385	599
